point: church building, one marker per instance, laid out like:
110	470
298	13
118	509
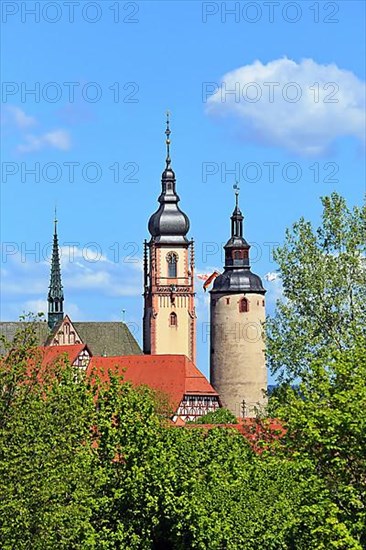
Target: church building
169	323
238	373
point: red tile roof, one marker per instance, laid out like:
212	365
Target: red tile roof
175	375
50	353
260	433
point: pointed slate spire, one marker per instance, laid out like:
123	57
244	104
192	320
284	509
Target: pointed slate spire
55	293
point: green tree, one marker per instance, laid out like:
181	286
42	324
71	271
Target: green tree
316	341
220	416
325	422
92	465
324	289
48	469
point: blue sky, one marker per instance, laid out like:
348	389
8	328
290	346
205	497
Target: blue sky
124	74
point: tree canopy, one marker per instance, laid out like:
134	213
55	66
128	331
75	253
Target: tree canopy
100	466
323	272
317	341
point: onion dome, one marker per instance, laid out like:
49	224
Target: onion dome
168	224
237	276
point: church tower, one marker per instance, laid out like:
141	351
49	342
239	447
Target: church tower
237	362
55	294
169	324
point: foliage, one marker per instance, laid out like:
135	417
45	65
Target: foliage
317	339
47	465
220	416
87	465
326	424
324	286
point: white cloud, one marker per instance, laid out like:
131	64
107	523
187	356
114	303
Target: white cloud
18	117
274	291
331	104
57	139
81	256
272	276
80	274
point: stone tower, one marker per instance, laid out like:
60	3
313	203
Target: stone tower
169	324
237	362
55	294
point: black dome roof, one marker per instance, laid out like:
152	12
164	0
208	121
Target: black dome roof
238	280
169	223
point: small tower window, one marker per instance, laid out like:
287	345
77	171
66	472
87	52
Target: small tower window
172	260
173	319
243	305
227	301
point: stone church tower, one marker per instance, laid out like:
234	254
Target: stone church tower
169	324
237	362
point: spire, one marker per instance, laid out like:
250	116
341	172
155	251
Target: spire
237	276
237	191
168	176
167	141
55	293
237	216
168	224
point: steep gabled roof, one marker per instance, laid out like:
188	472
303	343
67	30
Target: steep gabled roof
102	338
9	329
175	375
50	353
108	338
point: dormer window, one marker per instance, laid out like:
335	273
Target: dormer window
172	259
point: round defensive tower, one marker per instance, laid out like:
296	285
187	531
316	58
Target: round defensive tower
237	360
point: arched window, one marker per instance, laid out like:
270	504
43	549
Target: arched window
243	305
172	260
173	319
